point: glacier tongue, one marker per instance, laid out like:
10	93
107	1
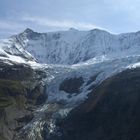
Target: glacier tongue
60	101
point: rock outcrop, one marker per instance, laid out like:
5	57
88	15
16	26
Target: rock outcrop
21	93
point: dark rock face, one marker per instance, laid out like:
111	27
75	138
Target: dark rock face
71	85
15	72
112	111
21	93
30	34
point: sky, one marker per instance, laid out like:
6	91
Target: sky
115	16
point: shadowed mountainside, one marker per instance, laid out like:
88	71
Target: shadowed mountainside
111	113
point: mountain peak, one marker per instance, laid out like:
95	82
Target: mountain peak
28	30
72	29
30	33
99	31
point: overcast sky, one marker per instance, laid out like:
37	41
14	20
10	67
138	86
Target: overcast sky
116	16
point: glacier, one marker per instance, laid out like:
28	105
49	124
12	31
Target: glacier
73	53
93	55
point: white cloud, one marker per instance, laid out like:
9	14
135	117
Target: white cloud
10	25
62	24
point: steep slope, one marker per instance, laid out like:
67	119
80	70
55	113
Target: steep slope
11	50
111	112
21	93
73	46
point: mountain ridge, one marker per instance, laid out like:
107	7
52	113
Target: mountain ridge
74	46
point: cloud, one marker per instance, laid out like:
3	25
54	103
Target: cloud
62	24
10	25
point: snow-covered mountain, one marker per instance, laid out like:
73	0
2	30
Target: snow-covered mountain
73	46
11	50
67	66
73	53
